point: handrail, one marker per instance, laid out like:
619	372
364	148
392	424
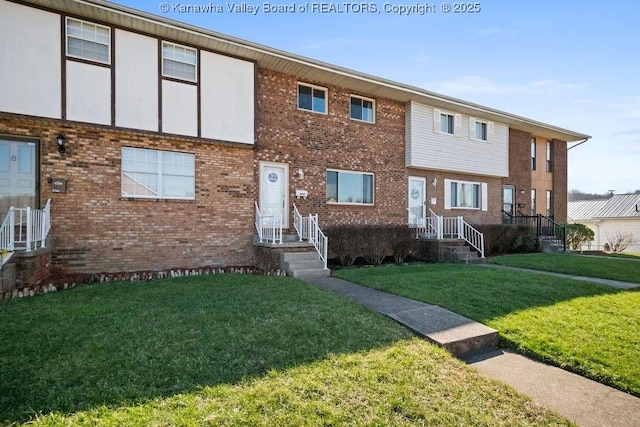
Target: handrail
545	227
472	236
269	227
25	228
308	229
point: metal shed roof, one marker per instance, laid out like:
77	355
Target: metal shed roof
617	206
304	68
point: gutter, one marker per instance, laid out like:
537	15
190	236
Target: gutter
579	143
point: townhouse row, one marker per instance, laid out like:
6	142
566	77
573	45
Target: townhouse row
154	141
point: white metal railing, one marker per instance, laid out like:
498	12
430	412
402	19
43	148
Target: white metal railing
308	229
25	229
440	227
269	226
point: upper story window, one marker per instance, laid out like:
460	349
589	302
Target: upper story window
480	130
88	41
362	109
448	123
179	62
154	174
349	187
549	156
533	154
312	98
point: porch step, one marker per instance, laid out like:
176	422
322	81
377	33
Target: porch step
303	265
460	252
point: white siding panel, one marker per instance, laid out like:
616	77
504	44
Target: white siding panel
88	93
136	81
30	67
227	93
427	149
179	108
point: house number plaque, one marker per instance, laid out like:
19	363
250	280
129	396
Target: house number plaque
58	185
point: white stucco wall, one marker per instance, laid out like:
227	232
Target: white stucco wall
88	93
179	108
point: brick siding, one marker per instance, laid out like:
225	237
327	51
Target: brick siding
560	184
520	168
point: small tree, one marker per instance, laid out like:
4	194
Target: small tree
578	235
619	241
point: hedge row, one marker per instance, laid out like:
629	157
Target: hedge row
371	242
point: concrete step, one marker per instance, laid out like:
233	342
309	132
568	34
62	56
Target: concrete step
302	264
310	274
298	256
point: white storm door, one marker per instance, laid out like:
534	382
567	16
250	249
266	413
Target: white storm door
417	200
274	191
17	175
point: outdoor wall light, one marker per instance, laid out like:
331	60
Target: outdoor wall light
434	182
300	174
61	140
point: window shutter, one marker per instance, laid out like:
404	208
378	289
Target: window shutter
489	131
436	120
457	125
472	128
485	201
447	194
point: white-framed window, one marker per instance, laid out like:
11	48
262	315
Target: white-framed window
446	123
362	109
550	203
480	130
312	98
465	195
549	156
533	202
154	174
349	187
88	41
179	62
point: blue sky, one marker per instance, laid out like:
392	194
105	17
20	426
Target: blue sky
571	64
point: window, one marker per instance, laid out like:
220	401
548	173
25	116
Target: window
533	154
157	174
88	41
312	98
362	109
481	131
550	203
533	202
447	122
465	195
549	156
179	62
349	187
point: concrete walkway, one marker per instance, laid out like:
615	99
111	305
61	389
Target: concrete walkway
613	283
583	401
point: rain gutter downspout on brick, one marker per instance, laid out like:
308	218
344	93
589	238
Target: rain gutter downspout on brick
579	143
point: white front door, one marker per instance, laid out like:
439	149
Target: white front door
417	200
274	190
17	175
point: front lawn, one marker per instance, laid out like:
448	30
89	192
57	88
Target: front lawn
232	350
587	328
625	269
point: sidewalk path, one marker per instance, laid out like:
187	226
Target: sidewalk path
583	401
613	283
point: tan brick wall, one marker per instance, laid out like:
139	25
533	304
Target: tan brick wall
560	184
520	168
314	142
95	229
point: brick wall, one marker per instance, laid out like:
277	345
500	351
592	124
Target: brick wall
560	189
520	168
95	229
314	142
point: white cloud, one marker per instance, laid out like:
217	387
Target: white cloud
473	85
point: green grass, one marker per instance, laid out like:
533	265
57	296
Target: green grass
232	350
584	327
624	269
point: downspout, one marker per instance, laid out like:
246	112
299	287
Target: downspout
579	143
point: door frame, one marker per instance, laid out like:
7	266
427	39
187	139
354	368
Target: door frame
285	209
424	196
37	163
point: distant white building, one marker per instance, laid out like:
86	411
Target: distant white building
618	214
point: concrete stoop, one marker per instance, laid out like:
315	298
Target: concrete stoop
303	265
462	253
461	336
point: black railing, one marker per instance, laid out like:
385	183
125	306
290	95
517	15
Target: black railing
546	228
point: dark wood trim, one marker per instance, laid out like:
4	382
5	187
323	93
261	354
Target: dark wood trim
173	79
159	84
113	76
63	67
199	92
88	62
